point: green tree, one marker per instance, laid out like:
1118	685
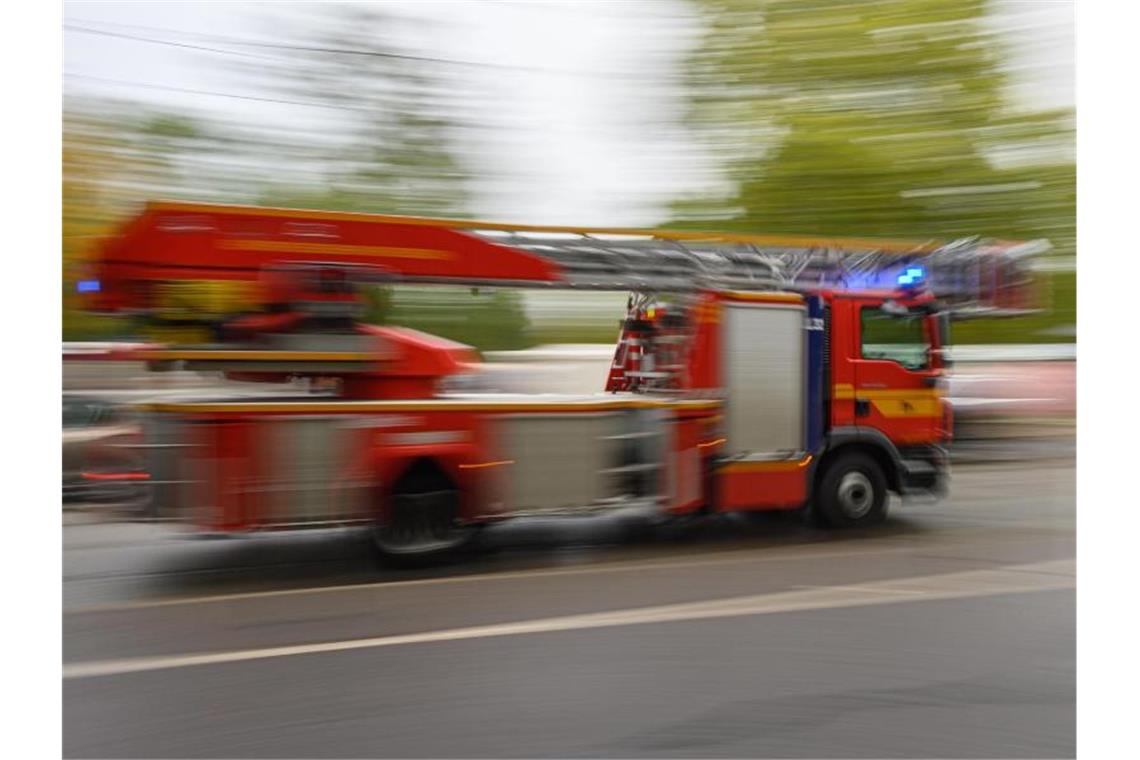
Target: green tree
116	156
88	164
888	118
393	149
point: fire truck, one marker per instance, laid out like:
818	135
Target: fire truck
750	372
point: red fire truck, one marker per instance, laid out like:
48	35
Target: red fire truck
750	373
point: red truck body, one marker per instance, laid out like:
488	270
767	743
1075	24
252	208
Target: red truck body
770	396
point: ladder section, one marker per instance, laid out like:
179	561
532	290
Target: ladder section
974	277
238	255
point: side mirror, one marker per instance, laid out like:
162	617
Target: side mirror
895	309
942	355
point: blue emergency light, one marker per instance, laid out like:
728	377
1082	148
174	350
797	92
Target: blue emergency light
87	286
912	276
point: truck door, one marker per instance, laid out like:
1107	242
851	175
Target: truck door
897	389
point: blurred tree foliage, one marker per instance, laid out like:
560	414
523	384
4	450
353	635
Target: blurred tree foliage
490	320
395	148
881	118
889	118
397	155
115	156
389	151
87	168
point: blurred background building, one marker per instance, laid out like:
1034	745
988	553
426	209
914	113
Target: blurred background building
907	118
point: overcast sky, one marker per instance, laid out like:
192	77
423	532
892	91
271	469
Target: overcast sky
571	120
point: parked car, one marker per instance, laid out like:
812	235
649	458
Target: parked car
99	464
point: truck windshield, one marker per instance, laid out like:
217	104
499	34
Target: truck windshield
894	338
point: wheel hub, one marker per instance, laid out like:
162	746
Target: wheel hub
856	494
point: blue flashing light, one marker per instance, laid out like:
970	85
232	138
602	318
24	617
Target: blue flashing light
87	286
912	276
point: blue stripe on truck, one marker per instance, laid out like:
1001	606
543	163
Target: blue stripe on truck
813	413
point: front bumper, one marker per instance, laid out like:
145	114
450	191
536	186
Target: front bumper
924	470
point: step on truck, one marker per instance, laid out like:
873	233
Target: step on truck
750	372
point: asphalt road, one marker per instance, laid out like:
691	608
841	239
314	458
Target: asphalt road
947	632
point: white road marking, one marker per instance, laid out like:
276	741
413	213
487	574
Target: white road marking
868	589
1041	576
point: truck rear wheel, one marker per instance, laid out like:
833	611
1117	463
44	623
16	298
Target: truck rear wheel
422	522
851	493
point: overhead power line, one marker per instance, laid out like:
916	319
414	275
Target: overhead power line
171	88
155	41
225	40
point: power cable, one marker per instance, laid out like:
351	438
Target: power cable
220	39
171	88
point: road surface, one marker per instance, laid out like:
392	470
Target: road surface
949	631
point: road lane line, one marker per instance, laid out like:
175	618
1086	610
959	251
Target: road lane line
867	588
1040	576
758	554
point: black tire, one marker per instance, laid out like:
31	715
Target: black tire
851	493
421	525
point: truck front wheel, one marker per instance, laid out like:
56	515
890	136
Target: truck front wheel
852	492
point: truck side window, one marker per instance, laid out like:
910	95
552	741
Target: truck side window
894	338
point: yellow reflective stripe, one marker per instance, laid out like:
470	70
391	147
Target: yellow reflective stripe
846	392
734	295
429	405
911	393
257	356
708	312
380	251
875	244
908	407
780	465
